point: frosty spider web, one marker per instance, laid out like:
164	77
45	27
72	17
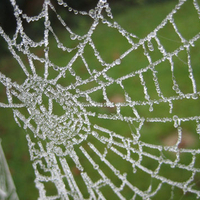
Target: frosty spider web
76	145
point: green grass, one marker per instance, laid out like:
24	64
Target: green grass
140	21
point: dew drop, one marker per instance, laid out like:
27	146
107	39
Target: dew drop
72	72
1	30
78	78
73	36
175	117
175	87
118	62
104	21
46	49
134	170
145	53
195	96
173	165
60	2
39	100
96	167
94	71
117	172
75	12
47	23
92	13
69	50
176	123
59	45
150	46
150	108
109	145
187	96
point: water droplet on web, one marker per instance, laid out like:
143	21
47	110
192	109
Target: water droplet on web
73	36
29	20
75	12
103	1
79	37
195	96
59	45
134	170
56	68
198	128
1	30
47	23
117	172
104	21
103	63
69	50
94	71
39	100
96	53
110	15
83	12
176	121
96	167
92	13
46	49
150	108
42	108
118	62
175	117
70	9
160	47
78	78
173	165
80	167
145	52
150	46
109	145
187	96
60	2
72	72
175	87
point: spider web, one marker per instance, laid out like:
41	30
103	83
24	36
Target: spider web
80	153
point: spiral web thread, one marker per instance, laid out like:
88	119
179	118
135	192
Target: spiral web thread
61	145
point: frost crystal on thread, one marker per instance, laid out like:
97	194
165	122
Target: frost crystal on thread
75	149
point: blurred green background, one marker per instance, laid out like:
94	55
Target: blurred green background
139	17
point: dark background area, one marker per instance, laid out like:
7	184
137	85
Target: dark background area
31	8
